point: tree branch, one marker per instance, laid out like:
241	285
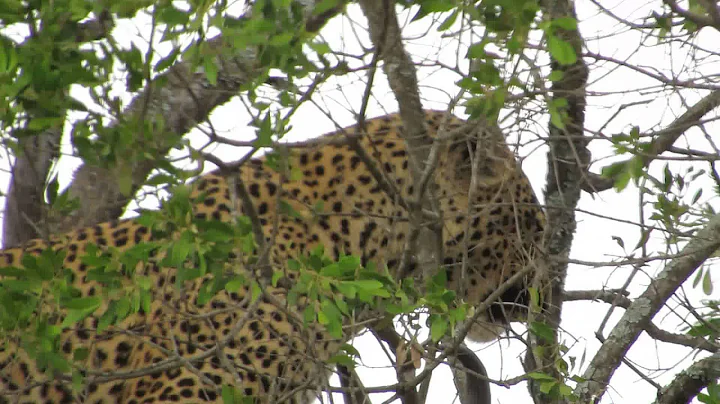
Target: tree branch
655	332
25	206
183	101
643	309
568	159
399	68
691	381
697	19
353	390
664	139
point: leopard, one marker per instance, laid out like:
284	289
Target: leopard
346	192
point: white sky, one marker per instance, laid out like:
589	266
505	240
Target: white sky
610	88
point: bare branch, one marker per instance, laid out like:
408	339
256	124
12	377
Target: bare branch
664	139
641	311
621	300
402	77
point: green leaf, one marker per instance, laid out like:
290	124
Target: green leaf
57	362
561	51
232	395
75	316
644	237
167	61
612	170
432	6
325	5
211	70
181	249
366	284
321	48
540	376
256	291
264	132
557	116
173	16
438	327
80	354
38	124
144	282
534	297
449	21
707	284
697	196
83	303
309	314
543	331
698	277
77	380
565	390
146	302
347	290
12	272
282	39
547	387
476	50
566	23
125	182
619	241
556	75
350	350
107	318
277	275
294	265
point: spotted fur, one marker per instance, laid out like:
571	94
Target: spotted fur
268	352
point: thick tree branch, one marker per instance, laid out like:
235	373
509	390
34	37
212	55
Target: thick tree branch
691	381
25	207
697	19
643	309
185	99
25	204
568	159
